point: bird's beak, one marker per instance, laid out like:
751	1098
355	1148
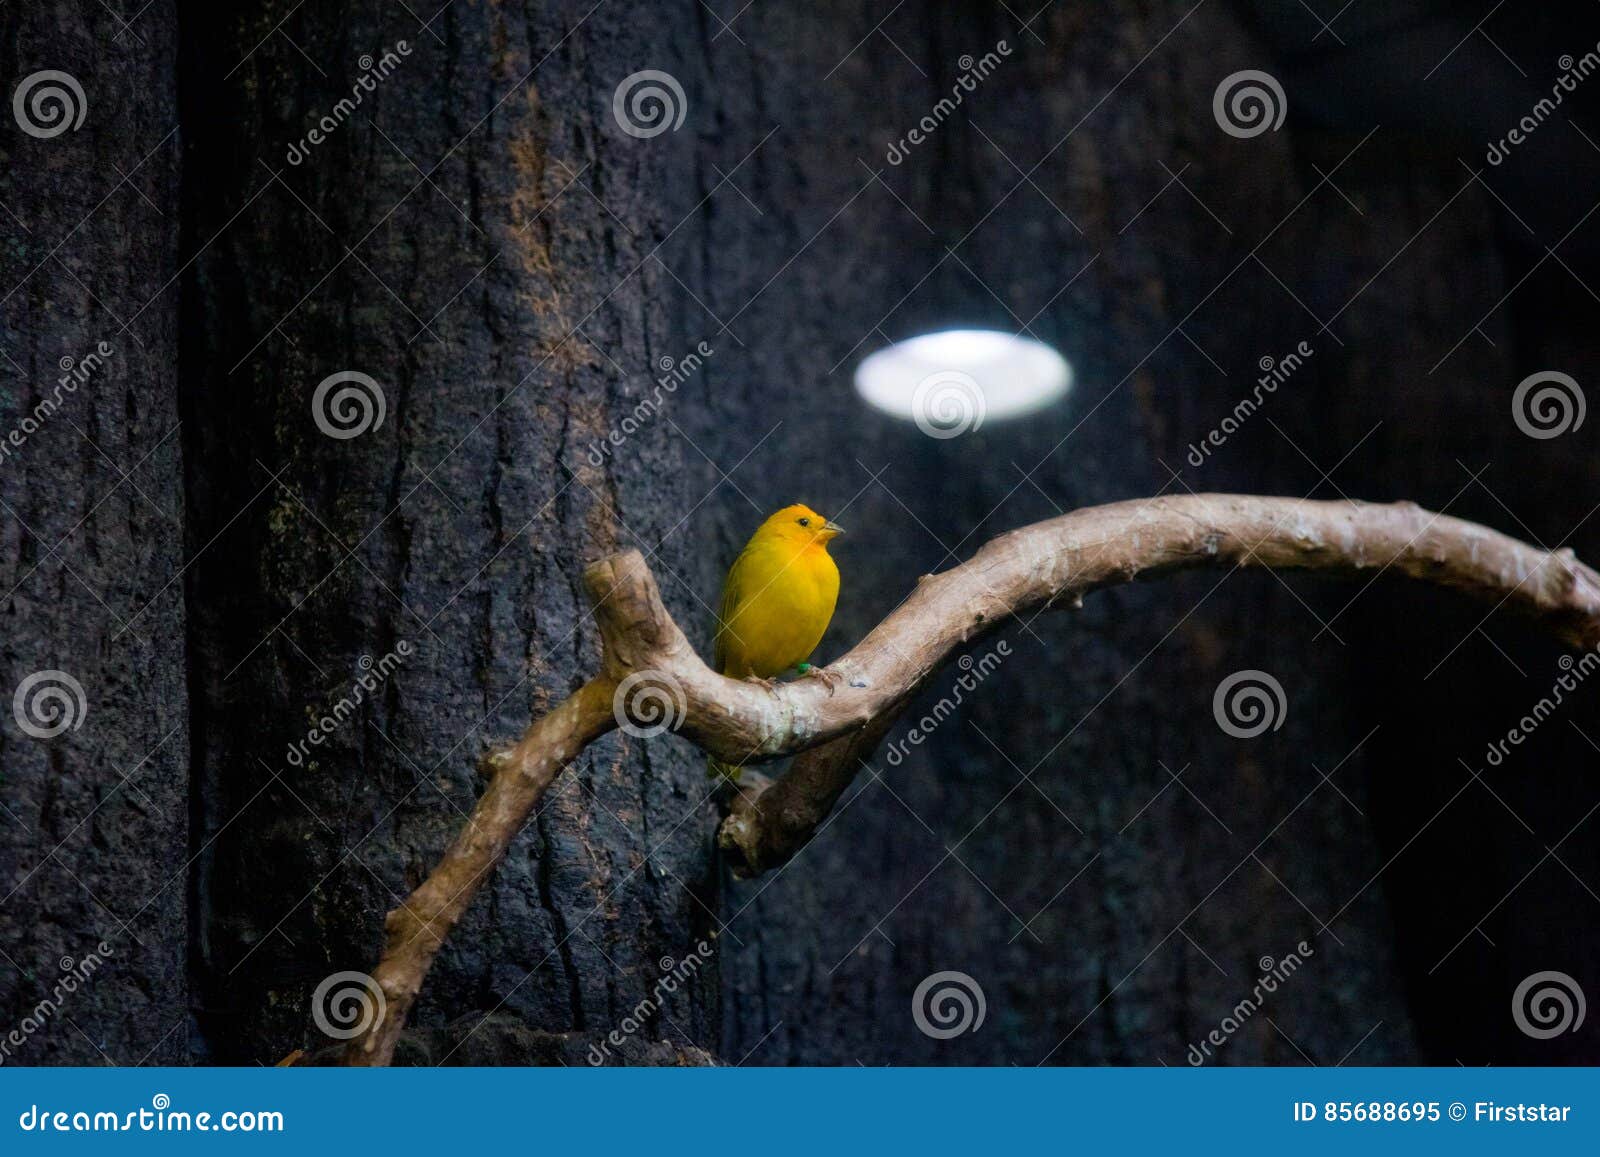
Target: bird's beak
833	527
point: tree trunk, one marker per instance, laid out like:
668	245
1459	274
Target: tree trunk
94	758
449	242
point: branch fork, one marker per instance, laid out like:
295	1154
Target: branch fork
650	678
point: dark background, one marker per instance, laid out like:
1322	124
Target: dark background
483	240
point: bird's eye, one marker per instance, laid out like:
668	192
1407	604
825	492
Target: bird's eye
805	522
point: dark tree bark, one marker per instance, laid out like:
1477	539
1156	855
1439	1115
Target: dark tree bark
94	817
448	240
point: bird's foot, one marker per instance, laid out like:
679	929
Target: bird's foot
830	679
759	681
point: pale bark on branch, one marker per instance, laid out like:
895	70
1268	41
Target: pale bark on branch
651	676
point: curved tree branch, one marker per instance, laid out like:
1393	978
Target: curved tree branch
416	930
651	676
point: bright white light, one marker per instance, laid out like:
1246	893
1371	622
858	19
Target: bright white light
954	380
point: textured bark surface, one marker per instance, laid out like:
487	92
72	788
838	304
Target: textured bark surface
478	299
94	820
505	1040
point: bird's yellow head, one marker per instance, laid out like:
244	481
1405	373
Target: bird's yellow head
801	525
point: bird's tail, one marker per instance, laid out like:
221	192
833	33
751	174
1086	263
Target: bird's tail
716	767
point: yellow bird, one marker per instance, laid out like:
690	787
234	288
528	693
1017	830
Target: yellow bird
777	601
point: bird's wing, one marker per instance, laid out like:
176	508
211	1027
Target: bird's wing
725	613
721	645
